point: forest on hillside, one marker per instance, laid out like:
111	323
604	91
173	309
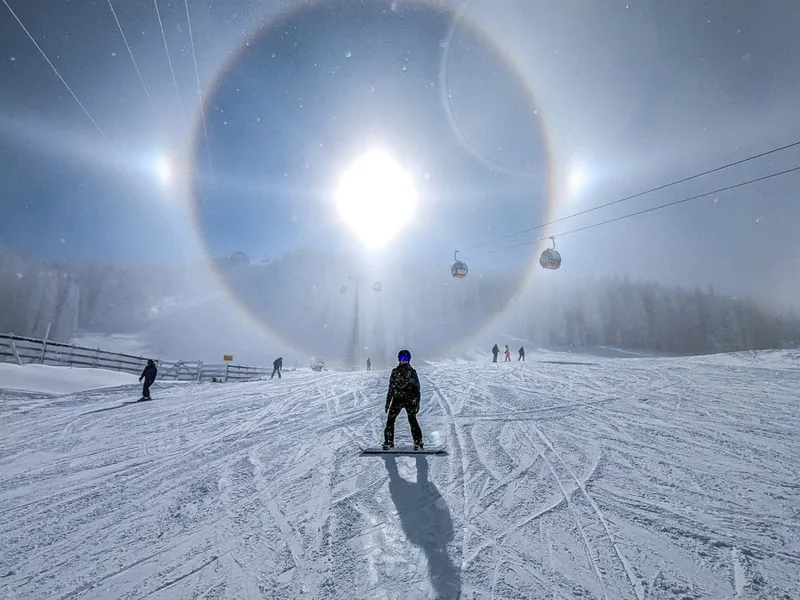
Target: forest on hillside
405	305
72	295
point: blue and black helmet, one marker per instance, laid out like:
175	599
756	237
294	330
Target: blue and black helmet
404	356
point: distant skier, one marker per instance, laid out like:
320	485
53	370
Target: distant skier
369	364
521	354
403	393
495	352
149	375
507	355
277	367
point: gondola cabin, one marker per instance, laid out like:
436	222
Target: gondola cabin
459	269
550	258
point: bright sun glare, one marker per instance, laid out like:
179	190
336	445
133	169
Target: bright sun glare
577	179
163	169
376	198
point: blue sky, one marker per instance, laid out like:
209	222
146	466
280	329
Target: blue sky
633	95
319	88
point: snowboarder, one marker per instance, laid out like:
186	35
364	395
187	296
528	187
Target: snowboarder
507	355
149	375
403	393
277	366
495	352
369	364
521	354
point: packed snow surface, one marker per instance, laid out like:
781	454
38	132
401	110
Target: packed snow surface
47	379
567	479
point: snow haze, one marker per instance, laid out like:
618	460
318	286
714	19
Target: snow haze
345	308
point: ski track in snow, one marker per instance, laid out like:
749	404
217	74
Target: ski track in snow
623	479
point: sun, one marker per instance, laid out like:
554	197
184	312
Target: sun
163	170
376	198
577	179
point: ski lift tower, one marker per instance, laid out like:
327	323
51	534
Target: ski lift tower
353	354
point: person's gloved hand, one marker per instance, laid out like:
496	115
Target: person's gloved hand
140	380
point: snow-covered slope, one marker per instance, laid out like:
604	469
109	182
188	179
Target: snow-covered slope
614	479
47	379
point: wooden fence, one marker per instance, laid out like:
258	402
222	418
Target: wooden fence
24	350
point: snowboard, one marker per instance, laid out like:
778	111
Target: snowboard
404	450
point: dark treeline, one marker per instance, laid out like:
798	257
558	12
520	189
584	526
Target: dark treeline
35	295
652	317
310	299
103	297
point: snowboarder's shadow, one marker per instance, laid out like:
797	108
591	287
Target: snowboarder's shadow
107	408
427	523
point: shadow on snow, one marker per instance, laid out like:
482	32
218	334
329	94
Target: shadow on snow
427	524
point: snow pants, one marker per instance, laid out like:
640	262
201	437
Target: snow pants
146	388
275	370
394	410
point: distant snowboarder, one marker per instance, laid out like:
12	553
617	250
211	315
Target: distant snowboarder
507	355
277	367
521	354
403	393
369	364
495	352
149	375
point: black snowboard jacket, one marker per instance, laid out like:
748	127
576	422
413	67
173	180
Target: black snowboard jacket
149	373
403	388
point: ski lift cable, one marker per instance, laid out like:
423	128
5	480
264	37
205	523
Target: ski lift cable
199	88
55	70
133	59
637	195
169	59
646	210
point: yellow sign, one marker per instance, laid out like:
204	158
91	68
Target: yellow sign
227	357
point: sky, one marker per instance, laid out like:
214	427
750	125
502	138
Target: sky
503	120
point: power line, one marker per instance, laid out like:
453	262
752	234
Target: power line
199	90
169	59
647	210
133	60
52	66
638	195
